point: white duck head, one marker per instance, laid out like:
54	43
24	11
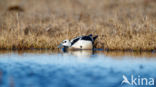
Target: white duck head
65	43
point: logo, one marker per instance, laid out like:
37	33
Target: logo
137	80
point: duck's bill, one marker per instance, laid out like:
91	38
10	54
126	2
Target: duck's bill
60	46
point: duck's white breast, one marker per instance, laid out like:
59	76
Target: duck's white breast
83	44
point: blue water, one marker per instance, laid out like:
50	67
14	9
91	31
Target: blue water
66	70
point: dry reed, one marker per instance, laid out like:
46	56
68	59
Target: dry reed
120	24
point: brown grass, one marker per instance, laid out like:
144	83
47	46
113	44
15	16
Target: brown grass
120	24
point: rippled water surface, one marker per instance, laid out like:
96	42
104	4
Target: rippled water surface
75	69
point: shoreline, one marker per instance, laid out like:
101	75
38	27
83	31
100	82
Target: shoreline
147	54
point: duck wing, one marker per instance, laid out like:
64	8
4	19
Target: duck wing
88	38
73	41
94	38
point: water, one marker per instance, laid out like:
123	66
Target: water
76	69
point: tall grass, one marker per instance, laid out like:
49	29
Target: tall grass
120	24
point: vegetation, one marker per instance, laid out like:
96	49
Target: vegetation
120	24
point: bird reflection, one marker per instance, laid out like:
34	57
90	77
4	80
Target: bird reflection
79	53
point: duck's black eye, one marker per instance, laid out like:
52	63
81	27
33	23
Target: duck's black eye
65	41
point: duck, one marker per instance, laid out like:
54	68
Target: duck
79	43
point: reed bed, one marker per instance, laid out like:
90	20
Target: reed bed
43	24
